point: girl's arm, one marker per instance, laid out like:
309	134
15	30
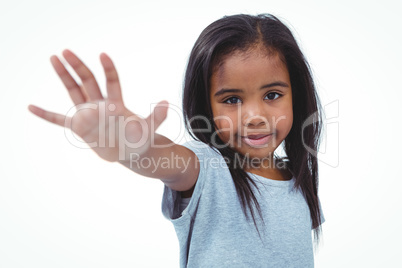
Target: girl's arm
115	133
175	165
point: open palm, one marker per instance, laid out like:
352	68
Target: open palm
105	124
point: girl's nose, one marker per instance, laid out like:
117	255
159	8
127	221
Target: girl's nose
254	115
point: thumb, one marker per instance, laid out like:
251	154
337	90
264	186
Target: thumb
159	113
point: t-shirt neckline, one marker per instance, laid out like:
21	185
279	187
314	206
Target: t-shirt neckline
272	182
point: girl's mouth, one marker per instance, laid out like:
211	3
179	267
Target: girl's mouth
256	140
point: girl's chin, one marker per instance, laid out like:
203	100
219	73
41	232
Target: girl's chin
259	153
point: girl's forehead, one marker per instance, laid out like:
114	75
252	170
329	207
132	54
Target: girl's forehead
256	48
256	57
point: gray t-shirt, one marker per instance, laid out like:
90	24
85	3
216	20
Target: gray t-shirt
214	232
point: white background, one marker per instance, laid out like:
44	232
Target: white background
61	206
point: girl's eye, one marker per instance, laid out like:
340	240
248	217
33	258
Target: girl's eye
232	100
271	95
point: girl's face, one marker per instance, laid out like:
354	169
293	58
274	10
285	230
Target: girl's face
251	101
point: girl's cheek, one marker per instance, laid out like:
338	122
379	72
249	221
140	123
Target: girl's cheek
285	124
226	128
226	121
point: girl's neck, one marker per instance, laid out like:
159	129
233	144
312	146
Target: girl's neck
271	171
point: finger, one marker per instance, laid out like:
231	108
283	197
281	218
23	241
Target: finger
84	92
158	115
112	78
51	117
74	90
87	78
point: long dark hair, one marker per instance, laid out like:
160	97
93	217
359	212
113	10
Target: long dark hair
239	33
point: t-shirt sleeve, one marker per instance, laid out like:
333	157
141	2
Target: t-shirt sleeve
171	199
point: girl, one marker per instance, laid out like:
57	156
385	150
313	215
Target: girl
232	201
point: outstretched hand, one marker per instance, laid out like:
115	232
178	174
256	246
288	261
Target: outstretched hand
104	123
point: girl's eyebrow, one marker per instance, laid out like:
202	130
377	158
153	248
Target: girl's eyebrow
234	90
